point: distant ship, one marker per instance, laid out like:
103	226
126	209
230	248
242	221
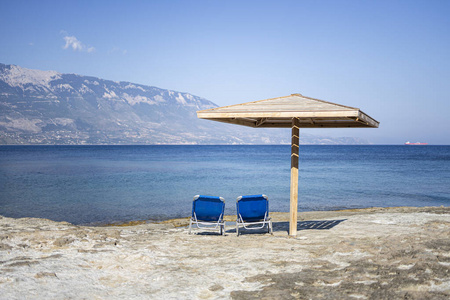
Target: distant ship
417	143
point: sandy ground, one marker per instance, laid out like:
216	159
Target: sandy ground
379	253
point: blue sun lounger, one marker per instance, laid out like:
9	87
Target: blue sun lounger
253	213
207	213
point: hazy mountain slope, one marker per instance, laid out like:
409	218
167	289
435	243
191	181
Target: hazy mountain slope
47	107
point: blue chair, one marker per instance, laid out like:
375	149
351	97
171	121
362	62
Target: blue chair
207	213
253	213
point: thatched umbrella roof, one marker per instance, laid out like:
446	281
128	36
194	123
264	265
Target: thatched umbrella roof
278	112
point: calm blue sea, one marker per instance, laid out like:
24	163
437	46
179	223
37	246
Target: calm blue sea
106	184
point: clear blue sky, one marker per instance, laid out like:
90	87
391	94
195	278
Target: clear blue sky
389	58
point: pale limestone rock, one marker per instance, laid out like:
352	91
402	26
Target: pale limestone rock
376	253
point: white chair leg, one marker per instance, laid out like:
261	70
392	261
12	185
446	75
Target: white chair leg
190	225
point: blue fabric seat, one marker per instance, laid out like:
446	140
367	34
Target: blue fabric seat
207	213
253	212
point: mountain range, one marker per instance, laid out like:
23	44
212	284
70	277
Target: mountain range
47	107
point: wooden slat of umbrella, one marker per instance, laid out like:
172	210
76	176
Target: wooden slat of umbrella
295	111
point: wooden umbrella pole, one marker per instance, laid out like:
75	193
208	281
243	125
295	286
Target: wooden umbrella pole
294	176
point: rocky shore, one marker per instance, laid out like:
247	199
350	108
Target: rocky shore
377	253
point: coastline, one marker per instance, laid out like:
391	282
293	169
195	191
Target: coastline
281	216
388	253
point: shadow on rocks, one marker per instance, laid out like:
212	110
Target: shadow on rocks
308	225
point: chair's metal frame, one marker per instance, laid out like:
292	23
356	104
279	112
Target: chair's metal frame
267	220
220	224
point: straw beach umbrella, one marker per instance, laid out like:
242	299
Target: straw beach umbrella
295	111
